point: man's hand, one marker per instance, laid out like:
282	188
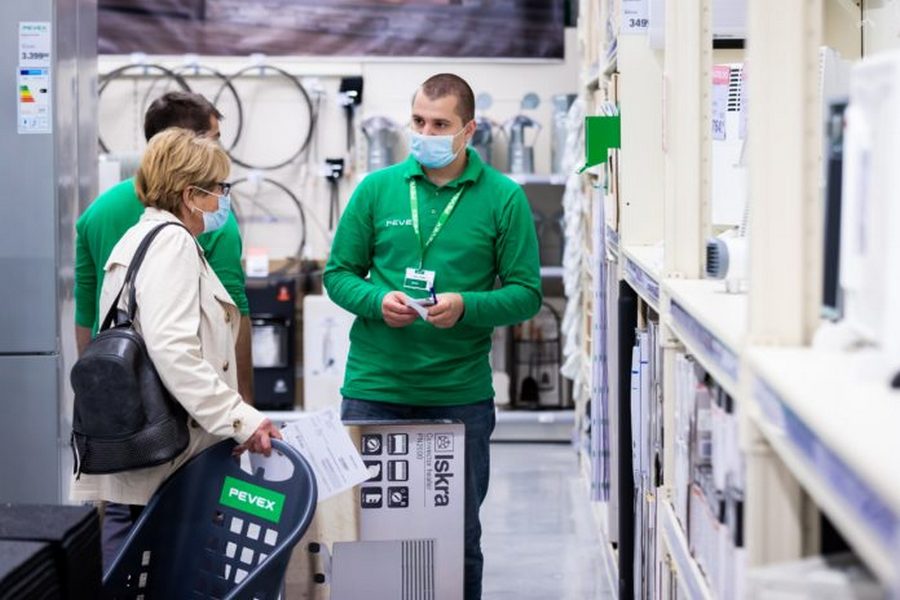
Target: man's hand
395	311
261	440
447	311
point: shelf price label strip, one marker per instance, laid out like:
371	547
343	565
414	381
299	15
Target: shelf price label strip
716	352
642	282
882	522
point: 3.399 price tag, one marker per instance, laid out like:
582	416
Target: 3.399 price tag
34	44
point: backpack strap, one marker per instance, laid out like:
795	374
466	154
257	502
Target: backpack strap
116	317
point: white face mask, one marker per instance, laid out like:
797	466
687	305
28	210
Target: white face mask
216	219
434	151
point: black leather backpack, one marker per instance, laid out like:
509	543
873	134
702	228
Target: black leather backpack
124	416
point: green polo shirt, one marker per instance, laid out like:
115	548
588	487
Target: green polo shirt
489	235
104	223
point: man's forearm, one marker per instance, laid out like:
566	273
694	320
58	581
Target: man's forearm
245	361
505	306
354	293
82	338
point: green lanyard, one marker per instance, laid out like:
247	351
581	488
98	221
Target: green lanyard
442	220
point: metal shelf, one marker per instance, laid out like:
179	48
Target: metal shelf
835	428
535	425
533	179
551	271
690	578
711	323
642	268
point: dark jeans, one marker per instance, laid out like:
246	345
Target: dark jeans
117	522
479	419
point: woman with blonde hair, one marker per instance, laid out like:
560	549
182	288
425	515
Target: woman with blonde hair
187	320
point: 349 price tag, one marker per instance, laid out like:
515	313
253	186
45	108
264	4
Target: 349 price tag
634	17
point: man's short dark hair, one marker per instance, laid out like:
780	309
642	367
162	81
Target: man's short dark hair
179	109
448	84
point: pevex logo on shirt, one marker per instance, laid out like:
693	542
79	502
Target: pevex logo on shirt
398	222
252	499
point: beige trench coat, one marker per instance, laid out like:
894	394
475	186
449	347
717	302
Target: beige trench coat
189	324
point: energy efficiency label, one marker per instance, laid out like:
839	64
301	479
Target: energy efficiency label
33	79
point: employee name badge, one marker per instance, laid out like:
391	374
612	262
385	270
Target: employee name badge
418	279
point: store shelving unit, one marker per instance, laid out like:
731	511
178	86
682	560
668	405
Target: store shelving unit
691	580
711	324
600	517
834	426
612	242
816	432
642	268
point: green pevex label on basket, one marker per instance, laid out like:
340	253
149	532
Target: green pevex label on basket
252	499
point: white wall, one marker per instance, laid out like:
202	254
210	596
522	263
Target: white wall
272	126
881	26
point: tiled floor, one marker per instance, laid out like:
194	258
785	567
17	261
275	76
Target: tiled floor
539	538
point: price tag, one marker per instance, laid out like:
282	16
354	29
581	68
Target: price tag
257	262
721	81
634	17
34	44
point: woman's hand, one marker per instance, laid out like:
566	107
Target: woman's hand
261	440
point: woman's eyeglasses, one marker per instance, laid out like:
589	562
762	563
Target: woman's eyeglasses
224	189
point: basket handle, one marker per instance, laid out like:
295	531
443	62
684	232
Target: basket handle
286	542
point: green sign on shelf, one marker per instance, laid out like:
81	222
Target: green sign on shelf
600	134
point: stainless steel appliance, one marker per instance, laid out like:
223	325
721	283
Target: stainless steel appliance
483	138
520	153
381	137
560	130
48	137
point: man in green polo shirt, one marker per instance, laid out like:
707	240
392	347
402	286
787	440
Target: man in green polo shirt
107	219
440	226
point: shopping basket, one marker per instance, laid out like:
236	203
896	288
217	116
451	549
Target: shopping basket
212	530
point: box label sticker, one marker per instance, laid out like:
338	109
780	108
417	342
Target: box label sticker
436	452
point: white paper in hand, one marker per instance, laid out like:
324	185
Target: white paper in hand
322	440
420	306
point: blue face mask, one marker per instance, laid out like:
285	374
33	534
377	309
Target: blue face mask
216	219
433	151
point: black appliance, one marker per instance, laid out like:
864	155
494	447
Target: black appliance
273	303
832	303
